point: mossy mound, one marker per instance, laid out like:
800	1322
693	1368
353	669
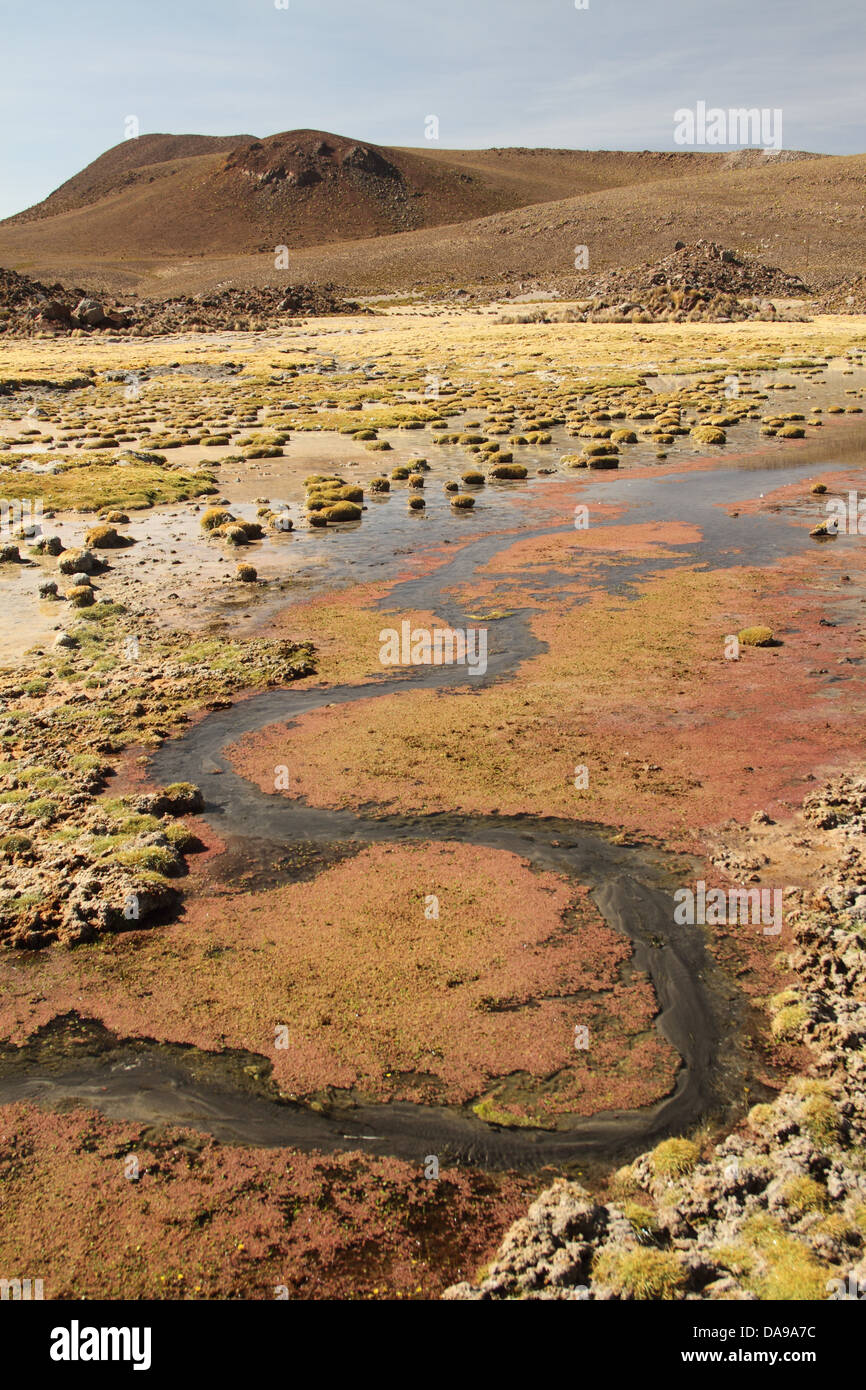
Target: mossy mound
214	517
81	596
315	479
708	434
472	479
247	574
15	844
674	1157
756	637
78	562
463	501
819	1117
792	432
399	474
509	471
642	1219
417	504
641	1274
788	1024
773	1264
760	1117
803	1195
342	511
104	538
380	485
233	534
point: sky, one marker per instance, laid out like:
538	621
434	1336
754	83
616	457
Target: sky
494	73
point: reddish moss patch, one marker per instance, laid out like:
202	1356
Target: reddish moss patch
203	1221
377	996
676	738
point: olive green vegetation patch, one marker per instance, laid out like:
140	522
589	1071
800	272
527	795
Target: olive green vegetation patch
87	487
375	419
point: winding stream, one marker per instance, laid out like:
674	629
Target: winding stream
631	885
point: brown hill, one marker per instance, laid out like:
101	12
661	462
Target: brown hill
163	197
375	219
121	166
806	216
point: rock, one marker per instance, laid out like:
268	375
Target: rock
55	311
65	639
178	799
48	589
78	562
80	596
48	545
90	313
105	538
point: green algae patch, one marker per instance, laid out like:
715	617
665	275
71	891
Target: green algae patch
490	1110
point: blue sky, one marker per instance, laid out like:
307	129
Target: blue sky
495	72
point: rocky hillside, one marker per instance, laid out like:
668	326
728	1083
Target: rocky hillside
27	306
704	281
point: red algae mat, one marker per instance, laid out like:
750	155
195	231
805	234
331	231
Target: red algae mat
676	738
177	1216
424	973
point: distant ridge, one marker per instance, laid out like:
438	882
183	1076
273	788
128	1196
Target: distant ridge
185	214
